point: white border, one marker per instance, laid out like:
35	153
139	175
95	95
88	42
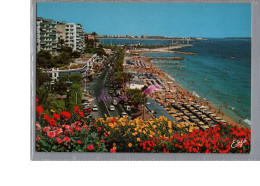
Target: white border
255	101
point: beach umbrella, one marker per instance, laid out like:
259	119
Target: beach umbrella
150	89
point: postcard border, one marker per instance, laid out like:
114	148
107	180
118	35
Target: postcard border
255	99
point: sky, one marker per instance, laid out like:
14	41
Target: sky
167	19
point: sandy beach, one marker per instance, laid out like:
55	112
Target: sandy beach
171	86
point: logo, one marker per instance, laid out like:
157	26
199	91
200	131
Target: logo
238	143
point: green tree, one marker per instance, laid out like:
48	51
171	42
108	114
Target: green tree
75	54
41	78
74	78
136	97
122	77
44	59
75	95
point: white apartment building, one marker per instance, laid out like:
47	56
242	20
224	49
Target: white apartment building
74	36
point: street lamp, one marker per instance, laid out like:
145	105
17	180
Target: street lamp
76	92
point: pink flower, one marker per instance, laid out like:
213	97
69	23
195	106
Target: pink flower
51	134
66	139
58	131
77	128
46	129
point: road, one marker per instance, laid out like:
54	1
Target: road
95	87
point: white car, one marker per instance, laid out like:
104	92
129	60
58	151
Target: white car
124	114
95	108
112	107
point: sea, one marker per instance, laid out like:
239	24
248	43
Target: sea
220	72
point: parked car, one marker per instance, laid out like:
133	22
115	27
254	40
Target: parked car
111	91
87	107
112	107
123	114
118	93
128	108
95	108
115	102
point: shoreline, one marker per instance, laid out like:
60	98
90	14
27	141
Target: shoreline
203	102
168	78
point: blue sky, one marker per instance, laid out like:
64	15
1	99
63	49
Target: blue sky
167	19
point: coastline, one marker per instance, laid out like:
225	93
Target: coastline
203	102
167	78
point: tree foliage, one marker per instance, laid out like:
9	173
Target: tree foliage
136	97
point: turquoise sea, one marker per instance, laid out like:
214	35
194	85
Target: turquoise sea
219	72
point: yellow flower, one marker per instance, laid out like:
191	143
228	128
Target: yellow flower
138	139
129	144
114	148
114	144
108	132
170	131
139	130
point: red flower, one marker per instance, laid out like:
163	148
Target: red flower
79	142
76	109
46	129
94	125
46	117
105	134
58	131
113	121
67	127
52	122
59	140
51	134
112	150
37	100
90	147
37	138
66	114
66	139
99	129
77	128
103	141
56	116
39	109
81	114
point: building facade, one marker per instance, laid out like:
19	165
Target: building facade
74	36
51	35
46	35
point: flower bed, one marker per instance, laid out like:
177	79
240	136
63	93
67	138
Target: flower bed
66	132
70	132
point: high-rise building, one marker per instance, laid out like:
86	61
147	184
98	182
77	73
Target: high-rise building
74	36
51	35
46	35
